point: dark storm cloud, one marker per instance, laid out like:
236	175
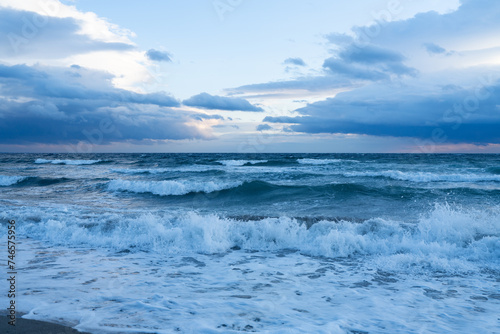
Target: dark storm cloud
458	116
214	102
52	82
66	105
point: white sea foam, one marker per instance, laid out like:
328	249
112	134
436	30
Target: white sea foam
232	163
166	188
425	176
6	180
443	235
133	171
191	168
322	161
102	292
67	162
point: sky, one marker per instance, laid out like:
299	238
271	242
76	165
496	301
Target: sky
89	76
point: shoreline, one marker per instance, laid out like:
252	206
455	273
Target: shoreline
30	326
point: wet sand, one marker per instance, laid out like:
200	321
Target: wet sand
34	327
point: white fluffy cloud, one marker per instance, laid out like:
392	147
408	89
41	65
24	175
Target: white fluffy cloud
52	33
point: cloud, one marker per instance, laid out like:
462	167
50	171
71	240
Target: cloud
207	101
350	66
53	105
308	83
380	52
156	55
369	54
369	62
263	127
473	25
456	116
71	83
28	34
386	95
339	39
340	67
295	61
54	34
280	119
434	48
201	117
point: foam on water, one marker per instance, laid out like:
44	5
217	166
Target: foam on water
426	176
67	162
443	238
318	161
245	292
192	168
232	163
133	171
7	180
166	188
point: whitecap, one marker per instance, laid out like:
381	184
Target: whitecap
67	162
166	188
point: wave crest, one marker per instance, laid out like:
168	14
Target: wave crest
425	176
445	237
167	188
7	180
233	163
67	162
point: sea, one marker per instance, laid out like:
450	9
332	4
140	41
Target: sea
265	243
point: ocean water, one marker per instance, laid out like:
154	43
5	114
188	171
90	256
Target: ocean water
271	243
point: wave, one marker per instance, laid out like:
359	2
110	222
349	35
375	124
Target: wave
43	181
134	171
168	188
67	162
322	161
6	180
318	161
246	189
446	238
154	171
233	163
425	176
494	170
255	191
253	188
